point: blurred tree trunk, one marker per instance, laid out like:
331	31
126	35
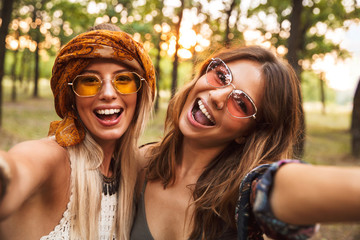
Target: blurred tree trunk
176	58
194	57
13	70
158	73
37	57
158	58
295	40
35	18
13	76
36	69
7	7
294	47
227	31
197	29
322	92
24	65
29	73
355	123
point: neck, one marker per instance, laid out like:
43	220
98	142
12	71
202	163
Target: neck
194	159
108	151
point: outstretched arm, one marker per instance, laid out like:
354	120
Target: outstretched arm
24	169
306	194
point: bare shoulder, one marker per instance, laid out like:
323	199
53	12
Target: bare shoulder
38	157
42	150
145	154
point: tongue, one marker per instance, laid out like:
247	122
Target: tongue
202	119
110	117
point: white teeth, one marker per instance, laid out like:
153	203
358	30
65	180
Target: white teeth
107	111
204	111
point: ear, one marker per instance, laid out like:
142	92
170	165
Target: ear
240	140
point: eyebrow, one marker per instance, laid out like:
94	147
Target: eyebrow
98	73
232	75
236	88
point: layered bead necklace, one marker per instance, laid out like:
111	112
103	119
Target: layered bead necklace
110	185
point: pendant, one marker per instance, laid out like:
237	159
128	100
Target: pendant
110	185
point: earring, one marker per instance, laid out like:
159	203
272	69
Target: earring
240	140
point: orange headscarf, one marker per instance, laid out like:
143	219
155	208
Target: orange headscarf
76	56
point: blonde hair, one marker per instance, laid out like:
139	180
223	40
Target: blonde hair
86	178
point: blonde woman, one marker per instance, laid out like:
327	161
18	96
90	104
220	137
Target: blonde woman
79	182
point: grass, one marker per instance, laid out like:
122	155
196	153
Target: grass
26	120
327	140
328	137
30	119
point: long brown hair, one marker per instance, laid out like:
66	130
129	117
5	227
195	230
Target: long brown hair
276	129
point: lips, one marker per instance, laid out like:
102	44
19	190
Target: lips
108	114
201	115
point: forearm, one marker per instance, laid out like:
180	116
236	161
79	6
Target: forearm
305	194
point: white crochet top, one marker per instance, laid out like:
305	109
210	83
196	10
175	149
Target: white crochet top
107	217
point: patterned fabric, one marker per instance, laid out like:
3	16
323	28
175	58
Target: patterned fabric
74	57
253	211
62	230
107	218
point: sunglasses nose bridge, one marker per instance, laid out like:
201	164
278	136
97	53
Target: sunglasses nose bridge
107	88
219	96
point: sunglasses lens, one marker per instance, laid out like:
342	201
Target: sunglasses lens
240	105
86	85
218	74
127	82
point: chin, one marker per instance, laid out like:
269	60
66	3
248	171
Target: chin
108	136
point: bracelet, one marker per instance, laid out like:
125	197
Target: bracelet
4	177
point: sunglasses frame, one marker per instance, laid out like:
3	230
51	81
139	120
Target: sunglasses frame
230	83
101	81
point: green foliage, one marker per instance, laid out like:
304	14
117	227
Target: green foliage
69	15
185	73
137	27
166	69
69	18
330	13
45	68
310	86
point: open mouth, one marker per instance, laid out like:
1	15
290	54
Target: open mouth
201	115
108	114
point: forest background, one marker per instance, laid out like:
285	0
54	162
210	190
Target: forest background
319	38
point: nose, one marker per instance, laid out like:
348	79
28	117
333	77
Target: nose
218	96
107	91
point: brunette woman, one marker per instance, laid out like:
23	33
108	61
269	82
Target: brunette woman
220	171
